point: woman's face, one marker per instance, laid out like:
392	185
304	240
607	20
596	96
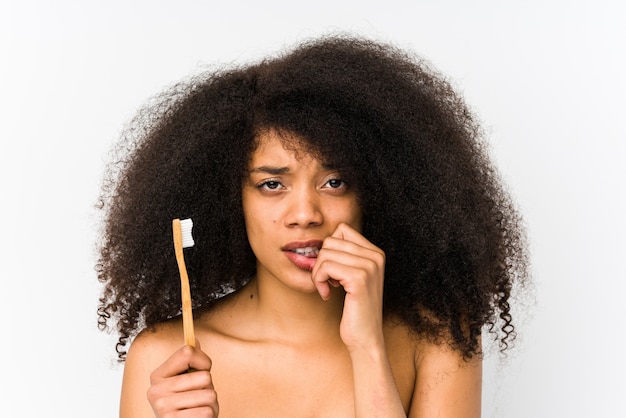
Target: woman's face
291	203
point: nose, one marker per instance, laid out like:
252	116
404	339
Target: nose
304	209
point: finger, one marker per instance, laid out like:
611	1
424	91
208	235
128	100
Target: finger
355	274
192	403
345	246
196	380
354	281
182	360
196	399
369	261
199	360
334	283
349	240
348	233
343	230
350	253
322	287
205	412
332	273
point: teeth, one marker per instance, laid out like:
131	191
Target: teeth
307	251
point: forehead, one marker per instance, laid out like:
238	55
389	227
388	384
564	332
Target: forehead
273	145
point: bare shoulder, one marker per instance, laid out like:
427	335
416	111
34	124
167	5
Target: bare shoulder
398	333
147	351
156	342
447	384
432	379
423	353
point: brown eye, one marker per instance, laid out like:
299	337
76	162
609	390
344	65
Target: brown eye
336	183
272	184
269	185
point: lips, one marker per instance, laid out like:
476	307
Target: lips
303	253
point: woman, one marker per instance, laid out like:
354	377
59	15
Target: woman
352	242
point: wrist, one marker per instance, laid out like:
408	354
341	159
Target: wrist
370	353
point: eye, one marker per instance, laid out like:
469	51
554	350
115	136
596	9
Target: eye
336	184
269	185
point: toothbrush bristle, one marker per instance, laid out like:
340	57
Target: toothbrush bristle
186	226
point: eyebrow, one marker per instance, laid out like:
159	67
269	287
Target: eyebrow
266	169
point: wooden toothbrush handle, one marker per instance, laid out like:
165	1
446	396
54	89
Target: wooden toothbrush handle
185	291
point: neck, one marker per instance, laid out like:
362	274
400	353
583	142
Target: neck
292	316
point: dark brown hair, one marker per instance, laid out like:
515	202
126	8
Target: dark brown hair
430	196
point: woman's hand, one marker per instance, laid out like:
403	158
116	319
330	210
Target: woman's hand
349	260
182	386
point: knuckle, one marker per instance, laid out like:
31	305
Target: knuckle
362	276
204	379
211	396
154	377
157	402
379	257
152	395
371	266
214	398
382	257
187	351
210	412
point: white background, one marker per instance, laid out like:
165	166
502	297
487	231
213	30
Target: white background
547	78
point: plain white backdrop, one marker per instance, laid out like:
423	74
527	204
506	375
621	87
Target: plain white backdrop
547	79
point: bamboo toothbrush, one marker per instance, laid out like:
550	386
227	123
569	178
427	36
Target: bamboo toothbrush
184	239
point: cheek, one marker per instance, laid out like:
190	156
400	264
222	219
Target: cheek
346	212
259	219
356	217
357	223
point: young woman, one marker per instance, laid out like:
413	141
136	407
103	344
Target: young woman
352	242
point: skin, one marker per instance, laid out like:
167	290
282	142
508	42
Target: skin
305	337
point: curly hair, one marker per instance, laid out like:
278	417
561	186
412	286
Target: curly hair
431	198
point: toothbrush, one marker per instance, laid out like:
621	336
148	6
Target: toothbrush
183	239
